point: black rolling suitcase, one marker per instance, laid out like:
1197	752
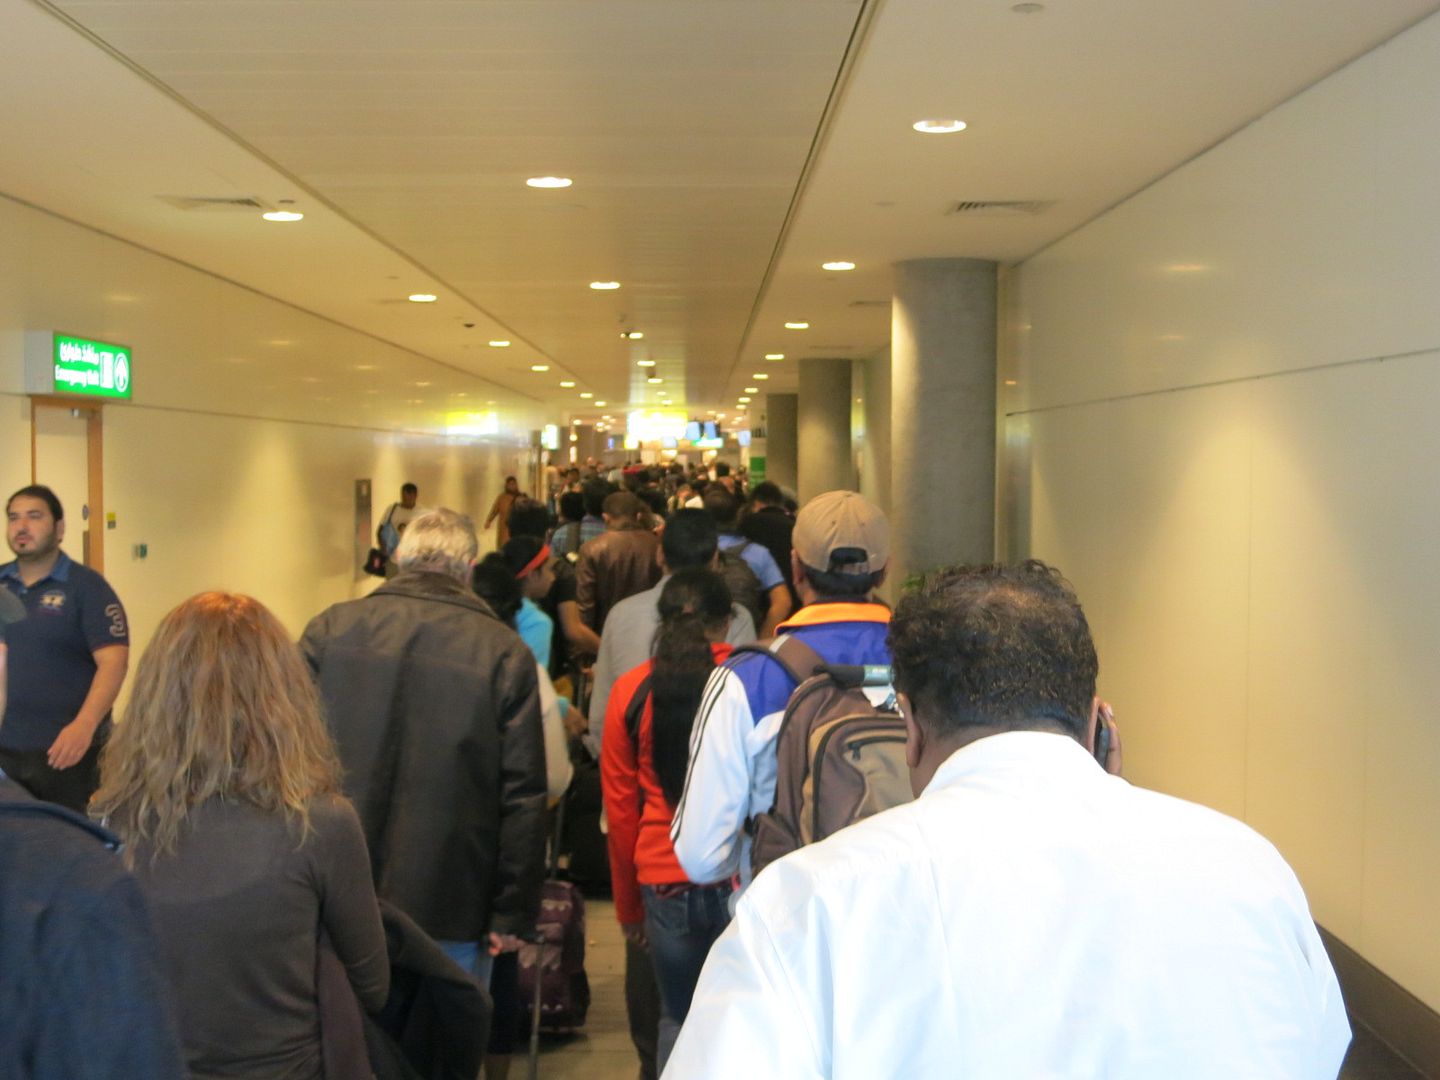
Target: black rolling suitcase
553	983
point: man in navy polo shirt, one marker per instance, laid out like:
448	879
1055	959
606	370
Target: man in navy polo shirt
66	659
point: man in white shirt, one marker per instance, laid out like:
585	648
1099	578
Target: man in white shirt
1030	915
392	525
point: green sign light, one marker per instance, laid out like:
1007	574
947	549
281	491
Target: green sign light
93	368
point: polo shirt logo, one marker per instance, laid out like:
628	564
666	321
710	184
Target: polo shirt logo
53	601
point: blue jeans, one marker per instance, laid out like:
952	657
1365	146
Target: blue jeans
681	930
473	956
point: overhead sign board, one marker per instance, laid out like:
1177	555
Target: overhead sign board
57	363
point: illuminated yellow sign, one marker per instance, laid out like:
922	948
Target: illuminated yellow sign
472	423
654	425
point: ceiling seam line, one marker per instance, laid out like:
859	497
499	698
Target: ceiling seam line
848	62
264	295
1409	354
1221	139
159	84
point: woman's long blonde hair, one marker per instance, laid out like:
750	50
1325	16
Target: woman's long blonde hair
223	705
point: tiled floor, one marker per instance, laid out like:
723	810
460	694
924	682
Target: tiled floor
604	1052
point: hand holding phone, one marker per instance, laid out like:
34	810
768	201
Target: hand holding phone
1107	739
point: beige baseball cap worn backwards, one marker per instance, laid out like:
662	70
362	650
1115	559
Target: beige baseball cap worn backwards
836	521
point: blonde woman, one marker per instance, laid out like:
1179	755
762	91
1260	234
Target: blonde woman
223	783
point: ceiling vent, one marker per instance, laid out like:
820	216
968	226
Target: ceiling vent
213	202
1001	207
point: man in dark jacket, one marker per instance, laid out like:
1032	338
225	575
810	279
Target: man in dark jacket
82	996
435	710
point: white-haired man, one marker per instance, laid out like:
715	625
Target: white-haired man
435	708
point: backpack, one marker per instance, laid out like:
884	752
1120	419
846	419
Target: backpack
839	757
744	585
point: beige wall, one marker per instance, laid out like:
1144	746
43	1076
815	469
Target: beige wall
1223	429
238	473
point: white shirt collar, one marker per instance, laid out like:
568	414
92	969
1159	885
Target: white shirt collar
1041	757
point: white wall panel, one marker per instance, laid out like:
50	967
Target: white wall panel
1138	502
1224	432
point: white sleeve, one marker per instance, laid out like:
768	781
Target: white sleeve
710	817
558	769
746	1018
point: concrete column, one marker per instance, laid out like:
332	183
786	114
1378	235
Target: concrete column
873	443
780	439
590	443
824	428
943	414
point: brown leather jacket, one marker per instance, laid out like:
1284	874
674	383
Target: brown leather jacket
616	564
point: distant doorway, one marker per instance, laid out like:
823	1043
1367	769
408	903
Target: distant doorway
67	455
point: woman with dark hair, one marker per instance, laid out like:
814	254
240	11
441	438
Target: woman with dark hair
643	759
510	581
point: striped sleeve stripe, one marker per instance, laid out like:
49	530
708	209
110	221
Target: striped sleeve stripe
707	706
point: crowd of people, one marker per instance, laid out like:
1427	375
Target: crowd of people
215	885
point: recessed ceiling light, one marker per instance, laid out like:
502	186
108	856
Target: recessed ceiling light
422	298
499	343
549	181
366	367
743	400
774	356
797	326
604	286
567	384
752	389
601	404
840	265
1010	382
632	335
282	215
654	379
575	421
938	127
539	367
423	382
644	363
761	375
586	394
710	413
720	416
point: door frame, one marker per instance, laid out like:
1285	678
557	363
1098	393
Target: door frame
93	535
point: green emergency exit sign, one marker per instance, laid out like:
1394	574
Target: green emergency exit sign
65	364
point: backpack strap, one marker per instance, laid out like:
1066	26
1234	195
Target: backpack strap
799	660
634	711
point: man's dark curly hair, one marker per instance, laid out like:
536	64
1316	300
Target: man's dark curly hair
995	646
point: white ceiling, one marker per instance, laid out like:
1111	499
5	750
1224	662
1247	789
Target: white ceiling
405	130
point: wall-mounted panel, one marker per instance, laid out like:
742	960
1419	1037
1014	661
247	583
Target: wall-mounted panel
1227	388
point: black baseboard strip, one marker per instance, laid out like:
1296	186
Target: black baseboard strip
1396	1017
